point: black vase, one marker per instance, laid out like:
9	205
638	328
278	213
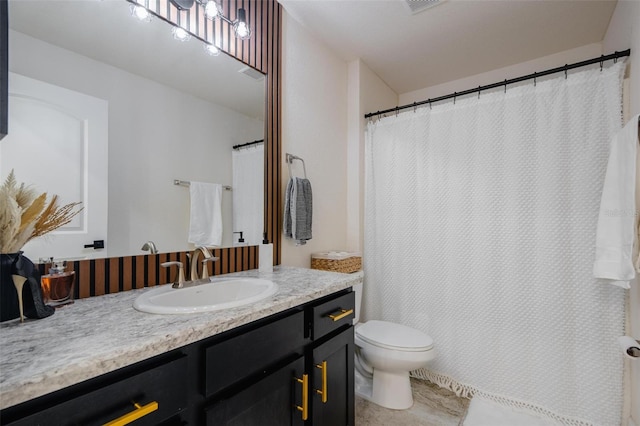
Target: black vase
34	307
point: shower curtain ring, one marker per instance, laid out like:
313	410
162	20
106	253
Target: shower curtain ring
397	109
415	107
505	85
534	79
601	62
565	71
479	90
430	104
454	97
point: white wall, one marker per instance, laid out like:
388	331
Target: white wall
367	93
529	67
314	127
624	33
156	134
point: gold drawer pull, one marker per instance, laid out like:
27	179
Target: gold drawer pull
140	411
305	396
323	392
341	314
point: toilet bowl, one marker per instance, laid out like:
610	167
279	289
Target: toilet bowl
385	354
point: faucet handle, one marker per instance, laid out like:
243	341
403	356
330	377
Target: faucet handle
205	269
181	280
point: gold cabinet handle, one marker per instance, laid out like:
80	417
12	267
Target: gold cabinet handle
140	411
323	391
305	396
337	316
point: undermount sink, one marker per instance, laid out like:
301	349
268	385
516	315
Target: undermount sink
219	293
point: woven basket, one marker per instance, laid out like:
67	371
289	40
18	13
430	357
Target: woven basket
351	262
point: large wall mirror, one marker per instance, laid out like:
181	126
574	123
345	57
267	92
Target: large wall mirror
86	79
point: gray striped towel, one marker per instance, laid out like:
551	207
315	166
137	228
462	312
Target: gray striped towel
298	210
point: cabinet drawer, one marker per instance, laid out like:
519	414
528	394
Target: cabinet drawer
248	353
333	314
164	384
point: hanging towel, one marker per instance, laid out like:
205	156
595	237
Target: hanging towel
617	234
298	210
205	224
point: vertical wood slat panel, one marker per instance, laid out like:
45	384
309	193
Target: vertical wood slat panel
100	277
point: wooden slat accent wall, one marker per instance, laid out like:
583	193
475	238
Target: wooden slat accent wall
262	52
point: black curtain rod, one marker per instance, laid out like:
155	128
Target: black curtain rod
504	83
248	143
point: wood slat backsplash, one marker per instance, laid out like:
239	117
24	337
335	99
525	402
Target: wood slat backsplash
262	52
98	277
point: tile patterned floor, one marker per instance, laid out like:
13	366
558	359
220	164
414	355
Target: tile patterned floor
432	406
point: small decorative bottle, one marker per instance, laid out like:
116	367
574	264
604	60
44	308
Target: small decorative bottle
57	285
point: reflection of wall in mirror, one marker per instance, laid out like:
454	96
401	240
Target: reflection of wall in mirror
156	134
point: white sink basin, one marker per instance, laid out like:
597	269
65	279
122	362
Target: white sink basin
220	293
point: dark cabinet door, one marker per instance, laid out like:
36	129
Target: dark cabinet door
332	381
273	401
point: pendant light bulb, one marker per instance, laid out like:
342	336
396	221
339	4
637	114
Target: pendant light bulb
181	34
140	13
212	9
211	49
241	27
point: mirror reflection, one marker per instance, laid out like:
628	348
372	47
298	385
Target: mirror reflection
115	112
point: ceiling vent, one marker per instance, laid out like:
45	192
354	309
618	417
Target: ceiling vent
254	74
417	6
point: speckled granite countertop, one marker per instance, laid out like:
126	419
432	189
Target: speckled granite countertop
101	334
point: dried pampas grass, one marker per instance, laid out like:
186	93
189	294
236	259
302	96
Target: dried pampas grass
25	214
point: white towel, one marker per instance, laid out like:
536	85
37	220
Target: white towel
616	238
205	224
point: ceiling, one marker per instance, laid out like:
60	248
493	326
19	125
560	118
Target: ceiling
453	40
106	31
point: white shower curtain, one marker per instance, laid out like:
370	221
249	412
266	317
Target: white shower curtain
480	220
248	194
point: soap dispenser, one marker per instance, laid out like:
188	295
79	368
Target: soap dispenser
265	255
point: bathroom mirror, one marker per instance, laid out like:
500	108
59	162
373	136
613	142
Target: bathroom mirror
173	113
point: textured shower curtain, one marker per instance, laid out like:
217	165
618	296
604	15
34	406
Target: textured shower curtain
480	221
248	193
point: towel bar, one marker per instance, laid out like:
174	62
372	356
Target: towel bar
187	183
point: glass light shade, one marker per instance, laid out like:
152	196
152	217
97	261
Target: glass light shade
212	9
181	34
241	27
140	13
211	49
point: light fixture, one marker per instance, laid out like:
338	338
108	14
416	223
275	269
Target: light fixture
240	26
211	49
180	34
140	13
212	9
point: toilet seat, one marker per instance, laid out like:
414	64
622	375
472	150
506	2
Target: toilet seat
388	335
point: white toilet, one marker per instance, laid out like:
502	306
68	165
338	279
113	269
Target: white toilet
385	353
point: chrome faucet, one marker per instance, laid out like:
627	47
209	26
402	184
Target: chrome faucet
149	245
208	257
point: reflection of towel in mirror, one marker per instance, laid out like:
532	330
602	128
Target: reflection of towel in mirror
205	224
298	210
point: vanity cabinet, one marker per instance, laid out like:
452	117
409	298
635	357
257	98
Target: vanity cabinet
291	368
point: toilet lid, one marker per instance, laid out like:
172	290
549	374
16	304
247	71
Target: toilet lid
394	336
